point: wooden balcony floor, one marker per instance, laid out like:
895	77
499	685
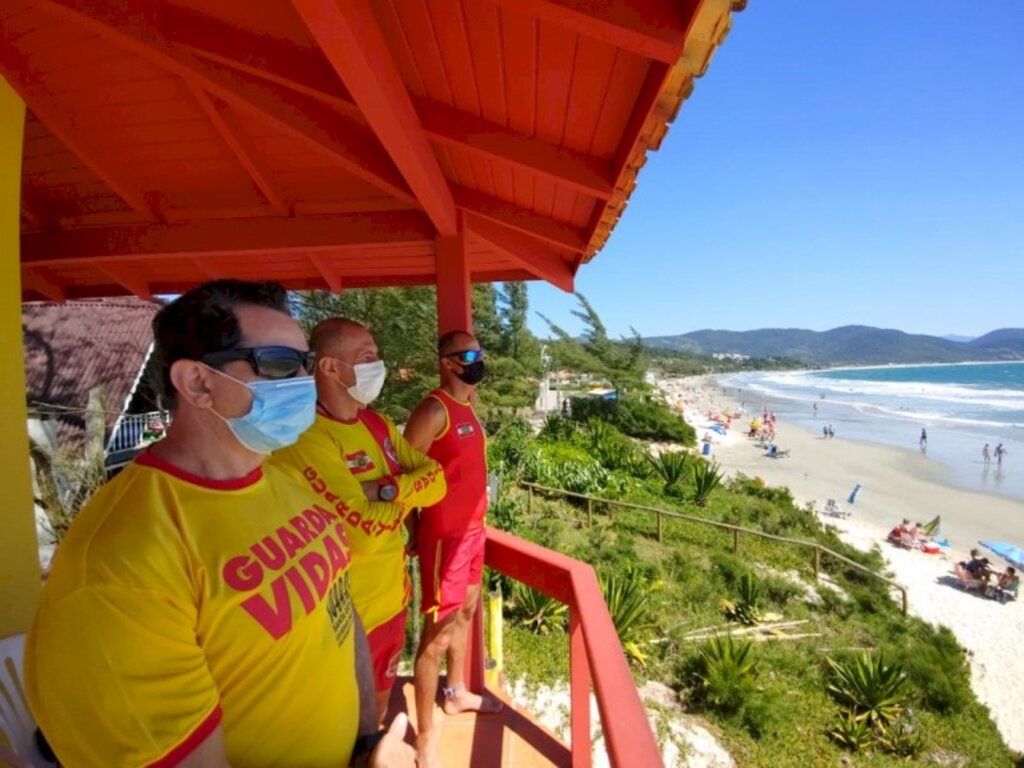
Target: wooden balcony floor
510	738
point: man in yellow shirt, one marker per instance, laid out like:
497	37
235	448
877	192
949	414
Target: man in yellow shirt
357	454
198	611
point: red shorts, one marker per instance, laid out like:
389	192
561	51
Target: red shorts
448	567
386	645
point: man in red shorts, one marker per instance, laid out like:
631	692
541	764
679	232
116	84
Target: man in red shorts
354	453
450	536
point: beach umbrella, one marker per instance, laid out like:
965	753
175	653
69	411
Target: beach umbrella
1012	554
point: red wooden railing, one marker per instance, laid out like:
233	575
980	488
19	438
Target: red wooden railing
595	653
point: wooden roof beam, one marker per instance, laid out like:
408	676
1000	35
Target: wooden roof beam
654	29
231	131
534	225
347	141
32	280
29	86
464	130
191	240
124	277
331	277
524	251
350	38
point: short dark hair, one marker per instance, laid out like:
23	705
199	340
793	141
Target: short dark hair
445	341
203	320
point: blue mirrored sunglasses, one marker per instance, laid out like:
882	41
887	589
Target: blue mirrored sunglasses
467	356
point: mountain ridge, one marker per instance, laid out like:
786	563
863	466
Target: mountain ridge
848	344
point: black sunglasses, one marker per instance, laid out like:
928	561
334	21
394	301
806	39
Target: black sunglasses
467	356
269	362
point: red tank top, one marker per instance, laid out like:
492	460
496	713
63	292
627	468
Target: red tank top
461	449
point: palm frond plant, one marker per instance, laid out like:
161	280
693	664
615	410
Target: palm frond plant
628	596
852	733
670	466
536	611
745	608
872	690
727	673
706	477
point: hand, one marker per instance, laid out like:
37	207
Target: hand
392	751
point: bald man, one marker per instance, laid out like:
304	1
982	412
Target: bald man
365	470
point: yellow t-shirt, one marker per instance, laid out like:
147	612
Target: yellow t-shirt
178	603
334	457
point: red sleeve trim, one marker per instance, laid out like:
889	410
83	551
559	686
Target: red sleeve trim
199	734
147	459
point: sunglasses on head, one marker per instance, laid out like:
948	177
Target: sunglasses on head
269	362
467	356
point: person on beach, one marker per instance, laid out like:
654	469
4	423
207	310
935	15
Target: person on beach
986	454
831	432
1000	452
1007	585
924	437
824	432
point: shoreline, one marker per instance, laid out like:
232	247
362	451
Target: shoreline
896	483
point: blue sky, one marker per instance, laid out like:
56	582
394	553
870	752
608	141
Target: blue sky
842	162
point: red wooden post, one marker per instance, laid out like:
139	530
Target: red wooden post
454	305
579	692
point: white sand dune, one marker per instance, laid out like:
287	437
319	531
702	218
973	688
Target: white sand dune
896	483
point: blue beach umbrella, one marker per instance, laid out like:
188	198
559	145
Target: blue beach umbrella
1013	555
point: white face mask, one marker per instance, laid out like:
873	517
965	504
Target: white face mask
369	381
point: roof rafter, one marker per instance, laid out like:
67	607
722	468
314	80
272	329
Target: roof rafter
307	73
346	140
29	87
191	240
527	222
32	280
654	29
350	38
457	128
522	250
330	276
227	125
123	277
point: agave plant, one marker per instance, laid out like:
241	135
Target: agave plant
874	692
727	673
852	733
670	466
537	611
901	738
628	595
745	608
706	477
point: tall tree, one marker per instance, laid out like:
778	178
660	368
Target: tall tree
486	321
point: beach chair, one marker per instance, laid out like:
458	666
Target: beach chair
17	728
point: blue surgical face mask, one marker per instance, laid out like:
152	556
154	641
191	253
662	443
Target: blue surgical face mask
282	409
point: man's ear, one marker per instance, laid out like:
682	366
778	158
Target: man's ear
327	366
191	382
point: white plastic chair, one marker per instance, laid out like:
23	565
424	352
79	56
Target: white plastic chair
17	727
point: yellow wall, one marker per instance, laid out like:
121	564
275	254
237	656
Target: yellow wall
19	557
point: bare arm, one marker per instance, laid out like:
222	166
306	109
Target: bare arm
425	424
211	753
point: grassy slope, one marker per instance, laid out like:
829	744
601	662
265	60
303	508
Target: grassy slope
696	570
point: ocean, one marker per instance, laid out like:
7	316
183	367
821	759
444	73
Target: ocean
962	407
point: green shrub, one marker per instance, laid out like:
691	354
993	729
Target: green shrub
706	477
901	738
641	418
726	674
938	670
509	445
560	465
872	690
505	514
536	611
745	608
670	467
558	428
852	732
628	596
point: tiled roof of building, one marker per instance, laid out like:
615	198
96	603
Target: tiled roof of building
74	346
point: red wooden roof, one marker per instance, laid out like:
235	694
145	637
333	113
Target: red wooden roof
327	144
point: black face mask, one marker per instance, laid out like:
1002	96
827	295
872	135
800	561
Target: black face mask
472	373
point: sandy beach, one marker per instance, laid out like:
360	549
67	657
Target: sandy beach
895	484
